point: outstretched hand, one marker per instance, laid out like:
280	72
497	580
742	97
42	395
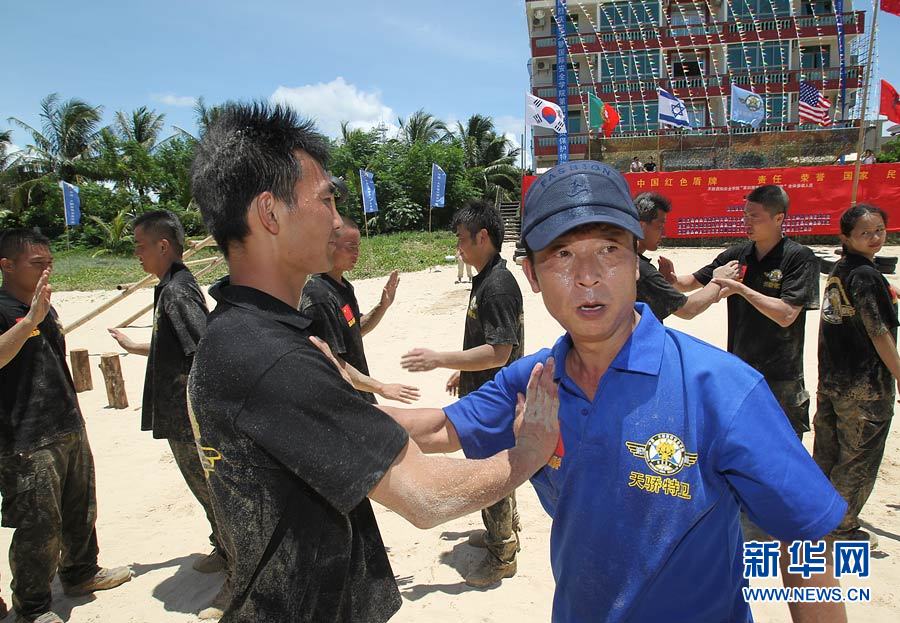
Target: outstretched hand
420	360
667	269
399	392
40	302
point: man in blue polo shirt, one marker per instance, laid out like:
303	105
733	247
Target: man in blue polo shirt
664	438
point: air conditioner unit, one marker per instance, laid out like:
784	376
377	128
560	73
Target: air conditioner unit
540	14
542	65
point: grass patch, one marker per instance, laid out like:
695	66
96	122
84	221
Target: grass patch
75	269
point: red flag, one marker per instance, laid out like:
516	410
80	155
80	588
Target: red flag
610	119
891	6
890	101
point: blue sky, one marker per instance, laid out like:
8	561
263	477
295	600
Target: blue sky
365	61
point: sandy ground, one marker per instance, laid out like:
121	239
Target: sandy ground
148	518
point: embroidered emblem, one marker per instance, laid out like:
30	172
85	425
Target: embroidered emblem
664	453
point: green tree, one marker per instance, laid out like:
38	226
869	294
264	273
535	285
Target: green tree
890	151
421	127
62	150
143	126
490	158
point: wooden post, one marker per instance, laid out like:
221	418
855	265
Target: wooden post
81	370
115	384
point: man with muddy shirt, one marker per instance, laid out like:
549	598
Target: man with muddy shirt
46	465
293	458
494	337
767	307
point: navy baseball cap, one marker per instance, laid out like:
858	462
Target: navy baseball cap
573	194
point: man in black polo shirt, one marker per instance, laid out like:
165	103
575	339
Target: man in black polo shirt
494	337
179	321
330	303
46	465
767	307
291	450
652	287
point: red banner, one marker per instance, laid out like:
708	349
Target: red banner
710	204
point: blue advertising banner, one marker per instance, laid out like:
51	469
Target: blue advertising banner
562	80
842	53
367	184
71	203
438	186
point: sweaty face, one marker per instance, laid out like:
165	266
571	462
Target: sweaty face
467	245
346	252
309	234
25	270
148	250
653	231
867	236
760	224
588	281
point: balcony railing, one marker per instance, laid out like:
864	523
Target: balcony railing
649	36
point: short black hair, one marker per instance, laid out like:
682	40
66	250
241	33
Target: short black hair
14	241
341	190
649	205
773	198
851	215
249	149
478	215
162	224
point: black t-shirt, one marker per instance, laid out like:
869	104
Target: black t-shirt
291	452
858	305
37	395
335	316
179	321
789	272
495	316
655	291
649	167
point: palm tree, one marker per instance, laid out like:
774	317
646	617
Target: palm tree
422	127
142	126
489	156
205	116
5	142
62	149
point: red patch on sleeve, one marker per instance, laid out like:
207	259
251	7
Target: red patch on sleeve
348	315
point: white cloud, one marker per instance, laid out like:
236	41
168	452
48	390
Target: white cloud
330	103
170	99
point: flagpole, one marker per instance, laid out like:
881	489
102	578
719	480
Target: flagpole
860	141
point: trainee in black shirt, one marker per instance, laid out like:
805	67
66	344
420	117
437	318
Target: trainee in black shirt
335	316
653	289
179	322
495	316
790	272
37	395
291	457
858	305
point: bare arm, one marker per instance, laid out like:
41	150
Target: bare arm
135	348
12	340
699	302
370	321
391	391
887	350
482	357
682	283
778	311
429	490
432	431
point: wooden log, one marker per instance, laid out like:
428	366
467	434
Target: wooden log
81	370
131	290
190	264
115	384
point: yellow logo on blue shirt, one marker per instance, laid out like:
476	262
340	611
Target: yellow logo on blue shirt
664	453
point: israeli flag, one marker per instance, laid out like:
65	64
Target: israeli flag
367	184
438	186
747	107
672	111
71	203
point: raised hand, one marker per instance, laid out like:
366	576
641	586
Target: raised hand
124	341
731	270
420	360
40	302
666	268
399	392
537	420
390	289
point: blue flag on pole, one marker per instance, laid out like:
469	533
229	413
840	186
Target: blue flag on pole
562	80
842	54
367	184
438	186
672	111
71	203
747	107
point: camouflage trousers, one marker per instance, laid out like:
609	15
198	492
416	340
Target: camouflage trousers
501	521
188	461
50	501
794	400
849	446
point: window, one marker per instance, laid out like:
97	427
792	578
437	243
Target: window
687	64
638	117
776	109
697	114
573	75
622	15
687	20
753	56
760	9
634	65
815	57
817	7
574	119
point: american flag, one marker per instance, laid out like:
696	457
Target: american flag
814	106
